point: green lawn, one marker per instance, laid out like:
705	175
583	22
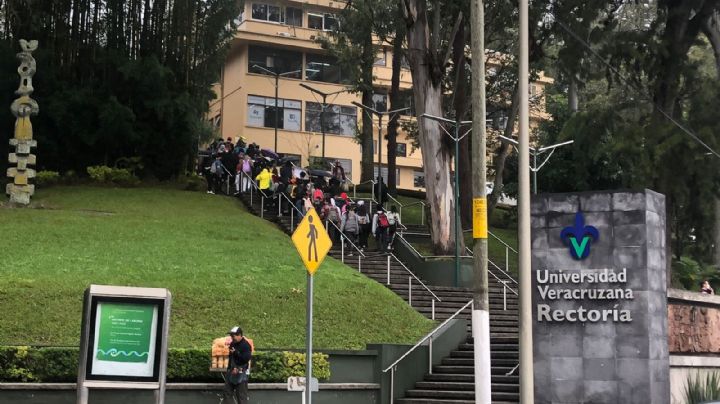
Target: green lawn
223	265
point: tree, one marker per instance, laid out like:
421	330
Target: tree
352	44
118	78
429	54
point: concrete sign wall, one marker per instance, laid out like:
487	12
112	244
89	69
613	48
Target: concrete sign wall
599	298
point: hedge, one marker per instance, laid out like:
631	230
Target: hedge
57	365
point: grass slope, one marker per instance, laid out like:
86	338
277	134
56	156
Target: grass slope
223	265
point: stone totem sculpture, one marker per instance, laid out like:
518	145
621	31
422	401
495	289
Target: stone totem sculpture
20	190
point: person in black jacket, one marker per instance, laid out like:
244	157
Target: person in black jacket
236	380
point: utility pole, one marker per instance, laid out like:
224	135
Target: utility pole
527	386
536	151
277	99
456	137
372	111
481	301
324	106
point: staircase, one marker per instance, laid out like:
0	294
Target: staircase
452	382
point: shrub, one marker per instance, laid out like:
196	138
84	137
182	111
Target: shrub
47	178
191	182
112	176
48	365
700	390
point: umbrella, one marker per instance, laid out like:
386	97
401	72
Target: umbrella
319	173
269	153
293	159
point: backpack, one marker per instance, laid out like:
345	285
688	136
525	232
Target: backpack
392	218
246	167
215	168
383	220
332	214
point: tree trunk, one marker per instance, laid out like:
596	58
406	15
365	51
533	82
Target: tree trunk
573	94
368	151
394	120
502	153
427	71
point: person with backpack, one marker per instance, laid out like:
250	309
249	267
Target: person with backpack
216	174
350	226
380	227
332	214
364	225
244	173
394	221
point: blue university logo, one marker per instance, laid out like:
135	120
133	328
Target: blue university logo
579	237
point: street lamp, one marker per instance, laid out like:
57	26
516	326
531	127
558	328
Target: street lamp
535	151
456	138
370	111
277	86
324	106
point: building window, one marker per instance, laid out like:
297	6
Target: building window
324	22
404	63
380	102
262	112
402	149
407	100
266	12
384	172
346	164
419	179
323	68
339	119
294	16
381	58
276	60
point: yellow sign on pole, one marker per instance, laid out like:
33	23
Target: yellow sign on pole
312	241
480	227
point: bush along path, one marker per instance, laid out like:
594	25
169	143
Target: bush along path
452	381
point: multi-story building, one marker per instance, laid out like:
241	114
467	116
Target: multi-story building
280	36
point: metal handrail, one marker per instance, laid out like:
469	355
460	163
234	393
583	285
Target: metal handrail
416	278
502	242
346	238
428	336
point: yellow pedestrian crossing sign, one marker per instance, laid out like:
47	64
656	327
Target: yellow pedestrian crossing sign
312	241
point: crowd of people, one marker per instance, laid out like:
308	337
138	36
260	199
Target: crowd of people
287	187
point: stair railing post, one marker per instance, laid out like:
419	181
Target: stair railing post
410	290
388	270
432	303
279	203
342	248
392	385
262	205
422	218
507	259
360	263
252	191
504	295
430	355
292	220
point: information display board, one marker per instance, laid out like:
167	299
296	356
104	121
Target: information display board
124	339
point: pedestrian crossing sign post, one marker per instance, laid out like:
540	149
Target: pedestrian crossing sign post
313	244
312	241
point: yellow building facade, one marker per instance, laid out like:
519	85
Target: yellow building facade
280	37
